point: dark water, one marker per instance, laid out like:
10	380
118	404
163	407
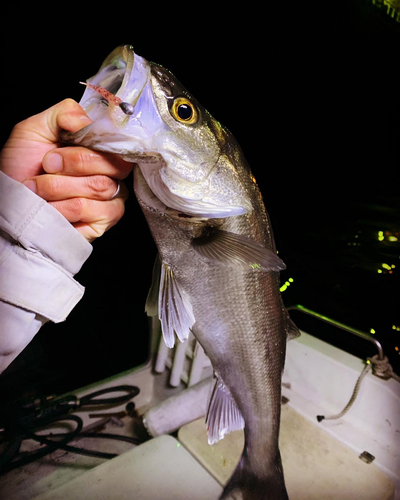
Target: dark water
310	91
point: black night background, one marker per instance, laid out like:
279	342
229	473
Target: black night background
310	91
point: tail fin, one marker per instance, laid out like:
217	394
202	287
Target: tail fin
244	484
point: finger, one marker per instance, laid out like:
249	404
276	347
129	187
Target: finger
52	187
92	231
47	125
91	217
82	161
32	138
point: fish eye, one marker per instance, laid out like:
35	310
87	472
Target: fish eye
184	111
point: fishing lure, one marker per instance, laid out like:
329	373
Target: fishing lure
127	108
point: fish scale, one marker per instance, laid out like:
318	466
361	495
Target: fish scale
217	271
243	334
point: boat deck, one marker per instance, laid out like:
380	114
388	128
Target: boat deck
321	460
317	466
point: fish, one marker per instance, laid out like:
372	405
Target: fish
217	269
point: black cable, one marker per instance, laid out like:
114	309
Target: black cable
26	420
22	433
90	400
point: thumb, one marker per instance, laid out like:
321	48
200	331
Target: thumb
30	140
67	115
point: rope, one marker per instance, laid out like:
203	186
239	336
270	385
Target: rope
381	368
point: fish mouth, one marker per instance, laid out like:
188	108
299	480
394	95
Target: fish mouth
126	76
142	136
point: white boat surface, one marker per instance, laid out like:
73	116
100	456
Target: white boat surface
352	457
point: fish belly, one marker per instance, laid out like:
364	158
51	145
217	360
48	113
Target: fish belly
240	325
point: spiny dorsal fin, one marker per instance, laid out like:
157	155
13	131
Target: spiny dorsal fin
223	416
235	249
174	308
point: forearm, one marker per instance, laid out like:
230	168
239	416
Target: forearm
40	252
17	328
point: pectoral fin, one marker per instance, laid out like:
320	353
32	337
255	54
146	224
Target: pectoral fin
235	249
174	308
223	416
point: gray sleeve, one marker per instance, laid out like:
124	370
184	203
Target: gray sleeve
40	252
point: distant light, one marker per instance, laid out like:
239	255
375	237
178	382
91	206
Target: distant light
389	237
396	348
286	284
372	331
386	266
379	271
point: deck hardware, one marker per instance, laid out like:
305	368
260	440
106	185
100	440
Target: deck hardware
366	457
354	331
379	363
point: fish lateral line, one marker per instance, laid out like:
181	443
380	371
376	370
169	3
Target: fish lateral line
111	98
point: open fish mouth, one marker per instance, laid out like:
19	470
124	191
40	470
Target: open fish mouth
125	77
115	76
142	113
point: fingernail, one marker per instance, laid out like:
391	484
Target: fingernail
53	163
85	120
30	184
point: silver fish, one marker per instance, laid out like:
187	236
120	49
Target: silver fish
217	274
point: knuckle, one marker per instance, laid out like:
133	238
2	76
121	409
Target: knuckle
82	161
68	102
118	212
68	105
99	230
74	206
17	128
51	186
101	185
78	159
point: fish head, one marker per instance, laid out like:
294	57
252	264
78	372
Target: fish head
176	143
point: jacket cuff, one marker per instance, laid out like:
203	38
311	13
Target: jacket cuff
39	227
40	251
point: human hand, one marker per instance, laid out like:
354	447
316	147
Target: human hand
78	182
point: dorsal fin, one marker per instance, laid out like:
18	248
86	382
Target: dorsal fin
235	249
223	415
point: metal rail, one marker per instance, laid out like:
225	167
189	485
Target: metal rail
359	333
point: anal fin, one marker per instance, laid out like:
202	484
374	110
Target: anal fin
223	415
